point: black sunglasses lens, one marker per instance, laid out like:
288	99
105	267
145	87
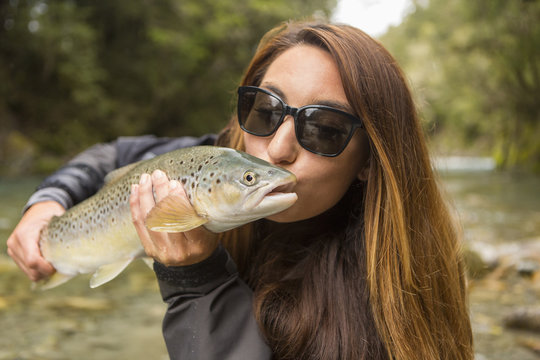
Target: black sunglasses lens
259	113
323	131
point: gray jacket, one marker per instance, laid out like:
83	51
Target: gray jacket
209	313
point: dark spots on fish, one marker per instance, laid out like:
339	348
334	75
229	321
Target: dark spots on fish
171	161
192	174
182	162
200	167
218	181
211	174
204	179
191	160
113	220
215	162
189	197
211	157
184	180
192	185
210	191
206	162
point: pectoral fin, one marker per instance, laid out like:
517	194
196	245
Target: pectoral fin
53	281
173	214
108	272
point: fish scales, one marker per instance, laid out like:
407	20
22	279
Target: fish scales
226	188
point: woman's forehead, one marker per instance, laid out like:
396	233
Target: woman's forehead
305	74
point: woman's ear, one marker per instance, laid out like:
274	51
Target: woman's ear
364	172
364	156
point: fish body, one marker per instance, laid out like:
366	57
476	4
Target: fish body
226	188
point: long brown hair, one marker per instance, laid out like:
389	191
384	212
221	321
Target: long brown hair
386	280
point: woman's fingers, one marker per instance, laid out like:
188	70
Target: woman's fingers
156	244
24	250
160	183
23	243
167	248
138	216
146	194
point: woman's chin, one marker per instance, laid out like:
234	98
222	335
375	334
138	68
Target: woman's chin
292	214
285	216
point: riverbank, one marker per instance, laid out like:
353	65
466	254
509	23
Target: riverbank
505	305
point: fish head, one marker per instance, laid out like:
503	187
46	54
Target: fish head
237	188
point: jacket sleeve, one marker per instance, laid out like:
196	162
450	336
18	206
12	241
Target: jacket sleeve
209	313
83	176
79	178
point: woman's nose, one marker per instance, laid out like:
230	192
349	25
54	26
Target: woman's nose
283	148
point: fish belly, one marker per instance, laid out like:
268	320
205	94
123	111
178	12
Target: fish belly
89	236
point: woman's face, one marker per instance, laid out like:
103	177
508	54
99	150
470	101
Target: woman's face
307	75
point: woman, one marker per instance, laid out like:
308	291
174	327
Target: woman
365	265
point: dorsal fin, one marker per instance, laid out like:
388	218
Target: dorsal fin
118	173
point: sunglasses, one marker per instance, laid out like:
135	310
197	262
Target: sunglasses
321	129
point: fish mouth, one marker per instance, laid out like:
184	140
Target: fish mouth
276	197
285	188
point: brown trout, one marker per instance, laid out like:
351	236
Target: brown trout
226	188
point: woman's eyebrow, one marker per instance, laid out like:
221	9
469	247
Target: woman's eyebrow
275	90
335	104
332	103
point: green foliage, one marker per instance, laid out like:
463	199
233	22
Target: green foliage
475	68
76	72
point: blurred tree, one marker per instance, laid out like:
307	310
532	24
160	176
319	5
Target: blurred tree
508	33
475	69
75	72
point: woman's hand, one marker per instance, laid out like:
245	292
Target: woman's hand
170	249
23	243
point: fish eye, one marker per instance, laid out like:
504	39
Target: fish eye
250	178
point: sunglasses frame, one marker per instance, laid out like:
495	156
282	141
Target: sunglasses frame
289	110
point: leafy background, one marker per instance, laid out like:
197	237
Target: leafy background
77	72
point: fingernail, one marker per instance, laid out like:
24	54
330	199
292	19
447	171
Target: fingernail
144	179
158	174
173	184
134	188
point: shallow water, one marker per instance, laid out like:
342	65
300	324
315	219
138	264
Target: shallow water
500	216
500	213
119	320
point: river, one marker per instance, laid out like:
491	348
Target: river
499	212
